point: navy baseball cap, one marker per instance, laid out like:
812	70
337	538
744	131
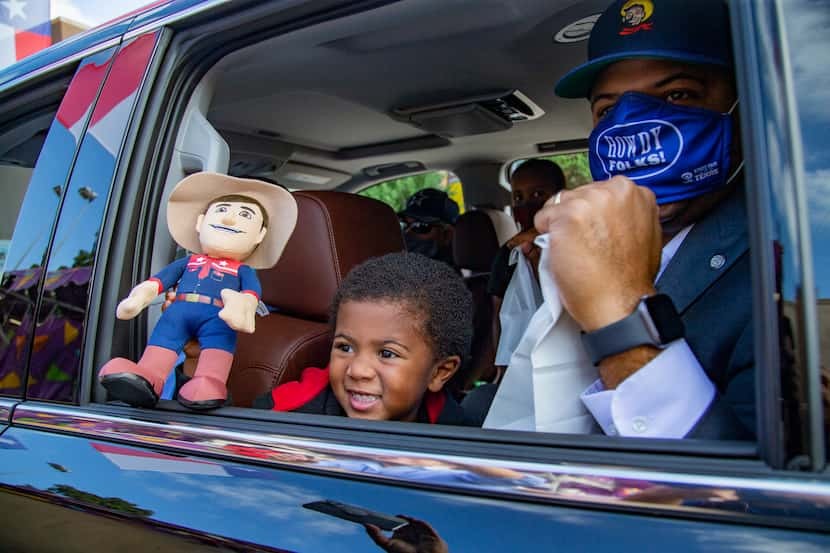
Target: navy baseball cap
692	31
431	205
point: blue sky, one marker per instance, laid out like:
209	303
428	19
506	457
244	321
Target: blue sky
93	12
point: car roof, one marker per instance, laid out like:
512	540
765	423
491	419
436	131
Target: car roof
109	31
333	96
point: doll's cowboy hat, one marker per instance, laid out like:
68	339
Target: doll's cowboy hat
193	195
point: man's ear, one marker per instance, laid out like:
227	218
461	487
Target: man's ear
442	372
199	220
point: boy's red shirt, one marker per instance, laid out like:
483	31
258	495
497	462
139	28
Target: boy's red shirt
439	407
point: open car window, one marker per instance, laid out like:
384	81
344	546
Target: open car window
308	122
574	166
395	192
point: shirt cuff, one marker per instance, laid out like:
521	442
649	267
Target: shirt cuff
664	399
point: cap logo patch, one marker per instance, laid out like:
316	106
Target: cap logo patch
635	15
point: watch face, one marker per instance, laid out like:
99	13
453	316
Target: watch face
665	317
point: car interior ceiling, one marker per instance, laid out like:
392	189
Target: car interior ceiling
402	88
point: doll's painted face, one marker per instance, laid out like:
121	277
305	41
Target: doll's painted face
230	229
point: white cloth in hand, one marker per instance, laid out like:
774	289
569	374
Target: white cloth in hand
548	371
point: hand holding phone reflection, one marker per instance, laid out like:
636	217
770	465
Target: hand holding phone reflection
416	537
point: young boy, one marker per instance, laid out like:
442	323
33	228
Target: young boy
402	327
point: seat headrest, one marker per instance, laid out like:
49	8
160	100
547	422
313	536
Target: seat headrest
335	231
505	225
474	244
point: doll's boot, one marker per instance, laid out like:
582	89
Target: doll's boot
207	389
139	384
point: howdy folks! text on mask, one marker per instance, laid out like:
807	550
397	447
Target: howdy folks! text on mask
642	149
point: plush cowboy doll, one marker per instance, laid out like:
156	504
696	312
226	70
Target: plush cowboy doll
236	225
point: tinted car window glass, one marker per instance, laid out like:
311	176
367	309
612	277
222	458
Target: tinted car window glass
807	23
53	370
43	185
575	166
395	192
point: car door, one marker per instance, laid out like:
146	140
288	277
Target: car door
84	474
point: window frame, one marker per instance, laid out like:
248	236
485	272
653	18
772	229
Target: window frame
183	65
772	105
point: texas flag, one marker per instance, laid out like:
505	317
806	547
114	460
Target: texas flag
24	29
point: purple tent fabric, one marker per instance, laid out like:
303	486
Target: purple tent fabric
77	275
54	363
24	279
12	360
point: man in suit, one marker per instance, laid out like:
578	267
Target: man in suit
651	260
664	219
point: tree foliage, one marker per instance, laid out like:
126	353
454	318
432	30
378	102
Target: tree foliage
396	191
111	503
575	166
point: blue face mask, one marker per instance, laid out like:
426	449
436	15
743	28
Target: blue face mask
679	152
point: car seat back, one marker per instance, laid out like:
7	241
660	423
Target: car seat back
475	245
335	231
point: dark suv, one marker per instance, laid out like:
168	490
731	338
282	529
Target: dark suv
330	98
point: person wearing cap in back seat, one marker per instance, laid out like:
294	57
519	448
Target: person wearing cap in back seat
428	222
652	259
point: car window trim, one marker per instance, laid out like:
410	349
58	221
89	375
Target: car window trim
110	221
58	65
305	423
812	337
756	58
7	405
143	28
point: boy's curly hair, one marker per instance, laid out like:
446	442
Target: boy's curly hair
430	290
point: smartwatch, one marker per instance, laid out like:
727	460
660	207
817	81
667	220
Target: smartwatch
655	322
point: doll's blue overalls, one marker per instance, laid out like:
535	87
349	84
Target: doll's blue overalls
194	314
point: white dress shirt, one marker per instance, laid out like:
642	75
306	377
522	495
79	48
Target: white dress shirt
665	398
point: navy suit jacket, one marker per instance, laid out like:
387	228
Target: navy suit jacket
709	281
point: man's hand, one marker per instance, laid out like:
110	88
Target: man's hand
416	537
139	298
524	240
605	243
239	311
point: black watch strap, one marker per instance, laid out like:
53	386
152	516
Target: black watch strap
655	322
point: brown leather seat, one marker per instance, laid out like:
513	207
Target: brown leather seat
335	231
475	245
